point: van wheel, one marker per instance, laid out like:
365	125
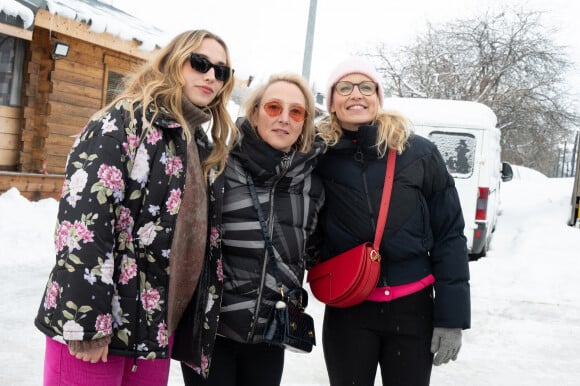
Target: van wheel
482	253
484	250
486	245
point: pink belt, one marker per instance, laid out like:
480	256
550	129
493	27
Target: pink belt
388	293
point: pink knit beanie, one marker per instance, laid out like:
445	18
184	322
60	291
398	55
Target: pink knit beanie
353	66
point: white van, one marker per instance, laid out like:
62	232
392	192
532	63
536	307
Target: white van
469	141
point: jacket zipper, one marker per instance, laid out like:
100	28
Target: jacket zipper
286	160
359	157
141	255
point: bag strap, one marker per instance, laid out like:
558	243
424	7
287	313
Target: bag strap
267	239
386	198
300	293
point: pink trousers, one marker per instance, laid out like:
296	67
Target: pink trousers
63	369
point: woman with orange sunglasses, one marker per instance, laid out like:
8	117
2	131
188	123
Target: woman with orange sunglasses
277	151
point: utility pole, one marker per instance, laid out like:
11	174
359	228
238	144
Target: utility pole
309	41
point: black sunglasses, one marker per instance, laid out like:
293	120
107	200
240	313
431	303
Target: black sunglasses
201	64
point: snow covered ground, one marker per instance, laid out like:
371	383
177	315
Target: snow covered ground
525	307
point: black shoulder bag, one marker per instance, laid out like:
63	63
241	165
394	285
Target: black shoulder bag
288	326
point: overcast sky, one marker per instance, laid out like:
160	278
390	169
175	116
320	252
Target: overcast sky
267	36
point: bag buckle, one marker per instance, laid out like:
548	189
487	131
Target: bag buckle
374	255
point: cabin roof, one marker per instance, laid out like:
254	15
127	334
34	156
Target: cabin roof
100	17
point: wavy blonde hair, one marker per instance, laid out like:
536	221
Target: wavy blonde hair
393	131
252	106
159	84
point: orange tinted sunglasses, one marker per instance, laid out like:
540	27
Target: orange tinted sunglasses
275	108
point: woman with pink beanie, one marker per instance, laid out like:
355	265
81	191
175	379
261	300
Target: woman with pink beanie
415	316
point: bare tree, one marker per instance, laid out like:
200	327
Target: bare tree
506	60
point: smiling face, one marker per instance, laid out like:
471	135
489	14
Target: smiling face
201	88
281	131
356	109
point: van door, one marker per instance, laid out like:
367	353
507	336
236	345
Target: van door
461	151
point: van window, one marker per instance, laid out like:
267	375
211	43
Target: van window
458	151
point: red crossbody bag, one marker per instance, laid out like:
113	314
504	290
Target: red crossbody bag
348	278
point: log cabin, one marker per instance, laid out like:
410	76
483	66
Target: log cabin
60	61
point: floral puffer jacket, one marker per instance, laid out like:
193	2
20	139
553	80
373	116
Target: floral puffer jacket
120	199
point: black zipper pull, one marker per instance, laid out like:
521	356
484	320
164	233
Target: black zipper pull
359	156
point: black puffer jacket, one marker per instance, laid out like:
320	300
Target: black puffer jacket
424	231
290	197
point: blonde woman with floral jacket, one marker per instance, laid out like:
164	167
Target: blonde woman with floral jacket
138	222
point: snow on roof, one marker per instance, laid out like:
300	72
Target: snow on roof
440	112
100	17
15	9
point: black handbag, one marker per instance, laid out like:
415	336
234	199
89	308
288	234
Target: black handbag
288	325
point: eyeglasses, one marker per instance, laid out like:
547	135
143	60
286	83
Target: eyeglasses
296	112
201	64
345	88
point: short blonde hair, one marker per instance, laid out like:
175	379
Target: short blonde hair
306	139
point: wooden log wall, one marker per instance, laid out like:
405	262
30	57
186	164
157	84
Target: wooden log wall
33	186
62	95
10	124
35	102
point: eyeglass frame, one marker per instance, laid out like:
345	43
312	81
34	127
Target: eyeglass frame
282	105
375	89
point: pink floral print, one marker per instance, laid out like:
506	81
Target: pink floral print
51	295
128	269
173	166
162	338
104	324
220	270
69	235
204	362
214	236
124	220
133	142
150	299
174	201
154	136
111	177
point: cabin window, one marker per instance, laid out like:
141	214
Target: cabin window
114	85
458	151
12	52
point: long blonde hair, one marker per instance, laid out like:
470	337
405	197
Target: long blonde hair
393	131
252	104
159	84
